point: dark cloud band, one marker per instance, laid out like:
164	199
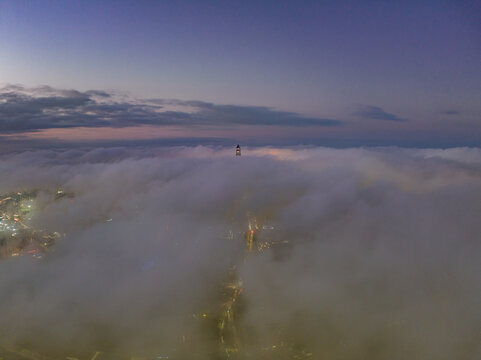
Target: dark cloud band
29	109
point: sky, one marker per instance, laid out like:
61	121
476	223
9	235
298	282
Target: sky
402	73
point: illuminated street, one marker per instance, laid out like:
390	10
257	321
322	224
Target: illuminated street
233	343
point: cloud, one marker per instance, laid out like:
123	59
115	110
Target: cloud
382	259
23	109
248	115
29	109
375	113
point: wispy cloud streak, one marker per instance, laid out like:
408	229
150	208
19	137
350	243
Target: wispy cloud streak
375	113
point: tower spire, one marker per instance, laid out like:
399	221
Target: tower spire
237	151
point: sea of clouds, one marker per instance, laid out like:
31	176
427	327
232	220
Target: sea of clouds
383	260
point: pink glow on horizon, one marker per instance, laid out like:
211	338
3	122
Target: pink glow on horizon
149	132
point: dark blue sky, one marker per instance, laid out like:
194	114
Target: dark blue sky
386	69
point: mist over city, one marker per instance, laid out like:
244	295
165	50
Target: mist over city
377	252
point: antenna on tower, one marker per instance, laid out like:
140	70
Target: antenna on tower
237	151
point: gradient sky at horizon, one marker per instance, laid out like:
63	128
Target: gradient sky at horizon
411	60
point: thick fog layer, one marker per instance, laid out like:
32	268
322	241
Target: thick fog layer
381	256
